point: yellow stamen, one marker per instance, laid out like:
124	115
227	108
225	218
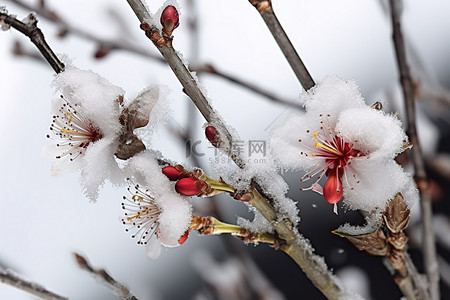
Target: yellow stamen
73	132
69	116
326	147
137	198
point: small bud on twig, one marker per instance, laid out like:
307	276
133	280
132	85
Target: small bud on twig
169	20
211	135
190	186
174	173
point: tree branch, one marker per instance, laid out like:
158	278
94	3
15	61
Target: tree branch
14	280
265	9
36	36
118	289
429	248
121	44
298	248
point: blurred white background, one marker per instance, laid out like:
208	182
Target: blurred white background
44	219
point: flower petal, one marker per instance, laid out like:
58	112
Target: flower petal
332	189
378	183
287	148
373	132
153	247
332	95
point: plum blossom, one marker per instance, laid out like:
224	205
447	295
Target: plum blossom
158	215
92	126
144	215
350	143
86	127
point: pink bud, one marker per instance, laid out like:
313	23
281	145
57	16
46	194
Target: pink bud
190	186
169	20
183	238
211	135
171	172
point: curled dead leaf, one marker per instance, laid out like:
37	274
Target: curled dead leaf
396	216
374	243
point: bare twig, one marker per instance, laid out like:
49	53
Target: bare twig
429	248
298	248
14	280
65	28
36	36
264	7
126	45
120	290
207	68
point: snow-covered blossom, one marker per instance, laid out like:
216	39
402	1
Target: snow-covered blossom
93	126
87	128
160	203
143	217
351	143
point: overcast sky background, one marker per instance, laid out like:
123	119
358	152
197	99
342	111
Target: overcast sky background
44	219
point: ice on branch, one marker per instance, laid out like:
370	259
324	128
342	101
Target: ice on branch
350	143
92	126
159	203
4	26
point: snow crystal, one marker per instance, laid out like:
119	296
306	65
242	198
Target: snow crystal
273	185
176	211
373	132
99	164
372	223
30	19
259	224
98	98
3	25
333	93
378	183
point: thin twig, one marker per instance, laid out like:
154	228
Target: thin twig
126	45
120	290
429	248
298	248
36	36
208	68
32	288
264	7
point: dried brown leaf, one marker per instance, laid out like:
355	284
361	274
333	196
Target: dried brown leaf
373	243
397	214
139	110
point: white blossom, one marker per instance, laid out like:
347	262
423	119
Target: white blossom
351	143
163	215
87	128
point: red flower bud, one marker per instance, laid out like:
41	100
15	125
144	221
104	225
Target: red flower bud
171	172
211	135
183	238
190	186
169	20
